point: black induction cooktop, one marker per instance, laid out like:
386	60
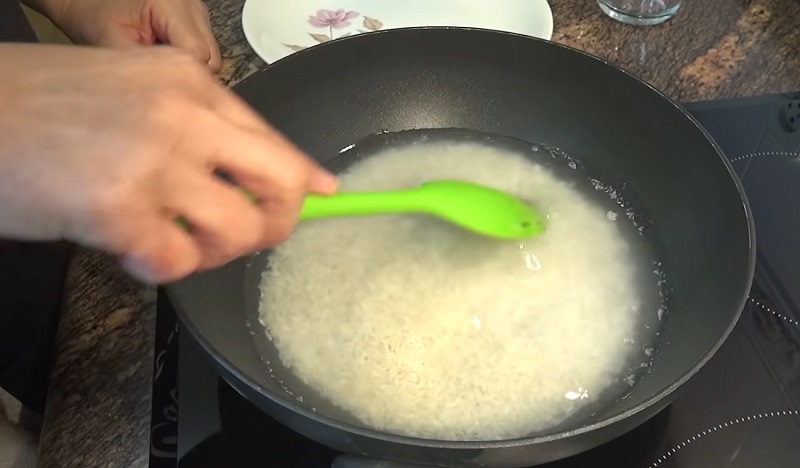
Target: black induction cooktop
742	410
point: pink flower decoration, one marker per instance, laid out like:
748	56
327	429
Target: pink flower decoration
332	19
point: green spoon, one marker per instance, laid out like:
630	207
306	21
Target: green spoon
480	209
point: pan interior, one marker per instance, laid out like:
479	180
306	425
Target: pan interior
331	96
631	222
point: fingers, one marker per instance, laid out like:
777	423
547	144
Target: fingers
203	21
153	248
207	128
270	167
271	152
278	177
175	256
183	28
264	163
231	107
223	223
259	151
215	60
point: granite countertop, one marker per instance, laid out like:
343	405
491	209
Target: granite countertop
98	410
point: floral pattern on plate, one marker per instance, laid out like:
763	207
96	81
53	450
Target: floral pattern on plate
339	19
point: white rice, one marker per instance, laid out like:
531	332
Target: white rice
419	328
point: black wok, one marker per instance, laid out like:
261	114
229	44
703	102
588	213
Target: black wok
331	96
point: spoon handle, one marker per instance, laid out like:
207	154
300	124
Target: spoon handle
363	204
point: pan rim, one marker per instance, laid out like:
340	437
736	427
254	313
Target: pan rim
653	400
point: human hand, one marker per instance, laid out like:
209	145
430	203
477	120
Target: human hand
126	23
98	148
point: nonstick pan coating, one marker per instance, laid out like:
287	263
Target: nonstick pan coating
333	95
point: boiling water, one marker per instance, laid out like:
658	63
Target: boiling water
419	328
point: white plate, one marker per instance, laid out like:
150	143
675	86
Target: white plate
277	28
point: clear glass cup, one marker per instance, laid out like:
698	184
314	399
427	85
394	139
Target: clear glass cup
640	12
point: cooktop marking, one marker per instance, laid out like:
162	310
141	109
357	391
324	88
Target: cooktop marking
765	153
716	428
768	309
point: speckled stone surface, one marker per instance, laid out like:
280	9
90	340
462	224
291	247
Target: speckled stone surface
99	405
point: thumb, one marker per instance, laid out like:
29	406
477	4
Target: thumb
178	29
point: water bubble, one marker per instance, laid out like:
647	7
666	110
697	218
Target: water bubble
579	394
630	380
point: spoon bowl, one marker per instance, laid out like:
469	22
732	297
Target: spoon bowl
474	207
